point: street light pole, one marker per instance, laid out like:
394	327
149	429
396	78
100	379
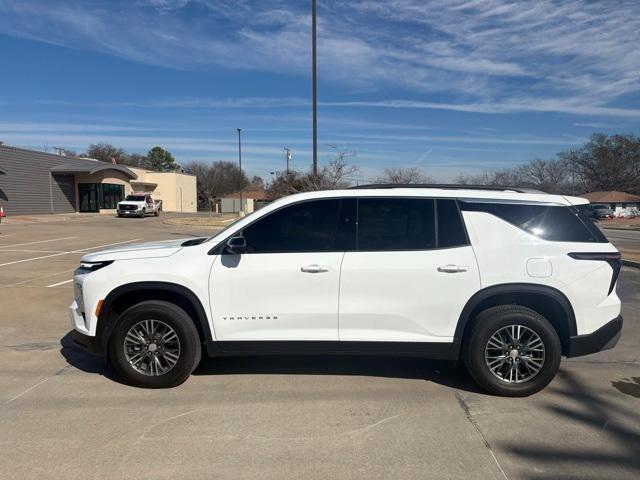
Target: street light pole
314	88
240	162
287	156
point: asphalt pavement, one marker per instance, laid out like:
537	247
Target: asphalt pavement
65	415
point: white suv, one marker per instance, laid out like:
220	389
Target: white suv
506	280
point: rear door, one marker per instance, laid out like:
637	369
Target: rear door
411	274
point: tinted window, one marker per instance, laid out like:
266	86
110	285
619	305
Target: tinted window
450	229
550	222
303	227
395	224
135	198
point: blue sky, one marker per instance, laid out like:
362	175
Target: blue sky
449	86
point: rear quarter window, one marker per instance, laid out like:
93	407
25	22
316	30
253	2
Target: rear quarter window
556	223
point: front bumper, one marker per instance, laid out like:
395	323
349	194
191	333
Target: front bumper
87	342
604	338
137	213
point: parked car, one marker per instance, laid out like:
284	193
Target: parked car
139	205
601	211
506	281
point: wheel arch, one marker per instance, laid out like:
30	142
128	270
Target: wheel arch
127	295
547	301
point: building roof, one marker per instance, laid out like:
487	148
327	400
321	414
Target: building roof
61	163
255	194
612	196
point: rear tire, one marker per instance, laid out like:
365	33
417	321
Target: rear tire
512	351
155	344
156	213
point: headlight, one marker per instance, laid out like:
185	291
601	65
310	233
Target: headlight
88	267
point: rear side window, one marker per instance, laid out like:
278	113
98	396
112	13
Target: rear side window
302	227
550	222
451	231
395	224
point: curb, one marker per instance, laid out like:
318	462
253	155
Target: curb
630	263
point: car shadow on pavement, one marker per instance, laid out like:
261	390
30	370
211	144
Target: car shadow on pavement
616	426
441	372
84	361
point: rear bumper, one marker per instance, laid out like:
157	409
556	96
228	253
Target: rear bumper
604	338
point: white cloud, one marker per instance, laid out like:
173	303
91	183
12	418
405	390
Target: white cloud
491	56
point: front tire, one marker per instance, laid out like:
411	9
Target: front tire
143	213
512	351
154	345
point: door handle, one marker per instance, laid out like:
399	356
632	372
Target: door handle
314	268
453	268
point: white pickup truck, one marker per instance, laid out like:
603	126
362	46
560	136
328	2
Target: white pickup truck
139	205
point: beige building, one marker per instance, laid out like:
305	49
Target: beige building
176	190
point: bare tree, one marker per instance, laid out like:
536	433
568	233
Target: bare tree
216	179
106	152
404	175
606	163
335	175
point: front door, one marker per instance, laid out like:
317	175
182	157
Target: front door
286	286
88	193
411	275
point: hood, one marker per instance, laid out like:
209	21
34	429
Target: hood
137	250
131	202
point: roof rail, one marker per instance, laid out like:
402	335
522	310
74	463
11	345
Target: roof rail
446	186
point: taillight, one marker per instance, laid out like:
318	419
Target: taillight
612	258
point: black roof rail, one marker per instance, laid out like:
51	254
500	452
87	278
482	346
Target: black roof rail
445	186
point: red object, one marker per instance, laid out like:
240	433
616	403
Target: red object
2	212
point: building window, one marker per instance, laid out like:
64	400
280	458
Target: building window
94	196
109	195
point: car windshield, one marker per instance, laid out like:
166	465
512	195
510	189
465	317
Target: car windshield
135	198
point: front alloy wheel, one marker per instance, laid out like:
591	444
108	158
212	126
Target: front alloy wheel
152	347
154	344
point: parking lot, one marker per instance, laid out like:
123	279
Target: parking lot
64	415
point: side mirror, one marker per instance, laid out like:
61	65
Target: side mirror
237	245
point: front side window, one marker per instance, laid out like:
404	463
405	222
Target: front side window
302	227
395	224
550	222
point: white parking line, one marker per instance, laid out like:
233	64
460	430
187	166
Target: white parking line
31	251
59	283
67	253
105	245
48	275
39	241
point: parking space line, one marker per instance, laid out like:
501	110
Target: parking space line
32	251
37	278
66	253
59	283
39	241
105	245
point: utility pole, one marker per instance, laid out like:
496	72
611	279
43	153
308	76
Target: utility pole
314	88
287	156
240	162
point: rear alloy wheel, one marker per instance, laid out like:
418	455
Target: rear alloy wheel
154	344
512	351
